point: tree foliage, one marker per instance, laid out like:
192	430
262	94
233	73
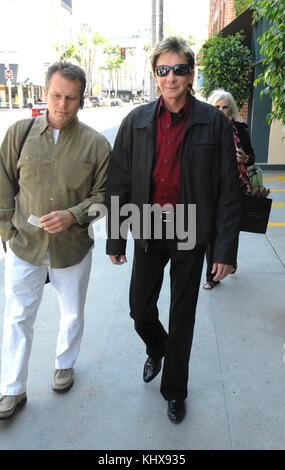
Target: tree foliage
227	64
272	44
241	5
69	51
113	63
83	51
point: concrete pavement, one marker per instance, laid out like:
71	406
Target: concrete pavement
237	368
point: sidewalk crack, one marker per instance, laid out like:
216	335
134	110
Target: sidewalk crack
223	381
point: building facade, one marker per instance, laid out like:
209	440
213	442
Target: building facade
29	46
220	15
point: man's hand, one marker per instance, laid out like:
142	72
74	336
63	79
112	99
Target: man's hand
118	259
57	221
221	271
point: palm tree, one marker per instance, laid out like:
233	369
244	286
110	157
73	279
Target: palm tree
88	44
118	62
153	23
160	24
109	66
114	62
153	42
96	40
70	51
146	48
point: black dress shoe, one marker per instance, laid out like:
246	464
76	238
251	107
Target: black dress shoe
151	368
176	410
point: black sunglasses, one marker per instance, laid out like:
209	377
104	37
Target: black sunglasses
178	69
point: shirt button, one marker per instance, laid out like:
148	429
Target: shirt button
165	161
51	198
169	142
162	180
168	126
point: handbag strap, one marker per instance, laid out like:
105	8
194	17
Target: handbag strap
23	140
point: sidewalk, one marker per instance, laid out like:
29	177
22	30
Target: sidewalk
237	369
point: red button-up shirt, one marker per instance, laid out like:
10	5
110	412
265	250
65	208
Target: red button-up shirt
170	129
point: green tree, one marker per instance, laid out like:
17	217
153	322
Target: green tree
87	45
69	51
241	5
113	63
109	66
273	49
227	64
118	62
83	51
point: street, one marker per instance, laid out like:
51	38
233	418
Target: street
105	120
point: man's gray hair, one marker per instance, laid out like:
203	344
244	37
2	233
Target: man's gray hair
70	72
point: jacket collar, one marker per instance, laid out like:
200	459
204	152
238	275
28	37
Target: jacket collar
146	114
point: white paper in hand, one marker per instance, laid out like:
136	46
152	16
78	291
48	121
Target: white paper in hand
34	220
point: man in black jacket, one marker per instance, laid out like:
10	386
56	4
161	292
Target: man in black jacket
174	153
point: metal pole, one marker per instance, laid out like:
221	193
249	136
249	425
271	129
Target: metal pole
10	94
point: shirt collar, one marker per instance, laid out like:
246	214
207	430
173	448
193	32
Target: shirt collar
44	123
185	109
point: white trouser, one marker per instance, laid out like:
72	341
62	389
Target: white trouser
24	285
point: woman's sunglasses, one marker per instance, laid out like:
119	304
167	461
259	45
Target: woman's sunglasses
178	69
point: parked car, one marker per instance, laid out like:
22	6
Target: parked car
102	102
39	109
116	102
87	103
95	100
137	100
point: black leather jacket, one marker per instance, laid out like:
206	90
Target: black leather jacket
208	174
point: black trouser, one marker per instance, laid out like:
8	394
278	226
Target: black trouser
147	276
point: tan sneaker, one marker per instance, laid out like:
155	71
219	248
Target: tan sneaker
63	379
10	403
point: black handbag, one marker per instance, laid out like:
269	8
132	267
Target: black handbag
255	214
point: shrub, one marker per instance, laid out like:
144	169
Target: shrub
227	64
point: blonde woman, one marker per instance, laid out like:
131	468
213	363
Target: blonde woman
224	101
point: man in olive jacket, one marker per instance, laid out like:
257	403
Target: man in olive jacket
45	195
174	151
